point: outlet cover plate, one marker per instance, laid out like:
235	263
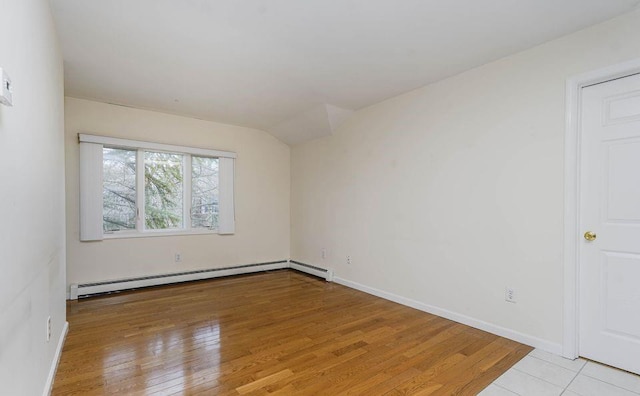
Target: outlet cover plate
510	295
6	90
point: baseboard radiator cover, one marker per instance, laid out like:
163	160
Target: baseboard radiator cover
327	274
88	289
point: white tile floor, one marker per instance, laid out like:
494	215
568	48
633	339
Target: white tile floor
542	373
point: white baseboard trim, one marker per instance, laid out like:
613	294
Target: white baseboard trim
76	290
522	338
56	360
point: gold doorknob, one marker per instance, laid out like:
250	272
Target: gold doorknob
590	236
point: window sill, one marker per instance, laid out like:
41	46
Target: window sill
154	234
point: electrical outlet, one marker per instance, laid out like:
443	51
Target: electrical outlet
510	295
178	257
324	253
48	328
6	89
348	260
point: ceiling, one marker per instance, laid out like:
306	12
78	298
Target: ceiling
296	68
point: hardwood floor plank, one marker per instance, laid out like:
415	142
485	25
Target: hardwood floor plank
273	333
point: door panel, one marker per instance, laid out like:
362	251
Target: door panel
609	268
622	108
623	187
621	294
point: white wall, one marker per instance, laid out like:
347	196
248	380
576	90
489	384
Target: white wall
261	191
448	194
32	234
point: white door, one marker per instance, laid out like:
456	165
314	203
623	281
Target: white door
609	268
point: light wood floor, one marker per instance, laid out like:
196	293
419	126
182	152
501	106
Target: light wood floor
279	332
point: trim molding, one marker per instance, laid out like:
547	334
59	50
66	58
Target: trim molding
90	288
571	233
138	144
76	290
456	317
48	387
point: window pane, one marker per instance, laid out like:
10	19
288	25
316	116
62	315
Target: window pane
204	192
119	189
163	190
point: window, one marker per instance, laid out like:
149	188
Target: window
130	188
204	192
119	189
163	190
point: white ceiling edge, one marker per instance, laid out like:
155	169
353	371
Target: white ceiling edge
163	111
319	121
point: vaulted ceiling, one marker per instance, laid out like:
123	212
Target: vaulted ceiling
296	68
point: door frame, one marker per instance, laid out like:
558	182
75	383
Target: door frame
572	150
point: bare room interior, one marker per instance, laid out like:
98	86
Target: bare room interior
280	197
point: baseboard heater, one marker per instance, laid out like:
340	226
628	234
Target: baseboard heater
88	289
327	274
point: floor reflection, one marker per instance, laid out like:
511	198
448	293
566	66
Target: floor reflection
171	360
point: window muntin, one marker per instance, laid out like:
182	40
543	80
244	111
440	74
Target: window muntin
163	190
119	189
204	192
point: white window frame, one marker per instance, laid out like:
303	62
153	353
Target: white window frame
91	196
